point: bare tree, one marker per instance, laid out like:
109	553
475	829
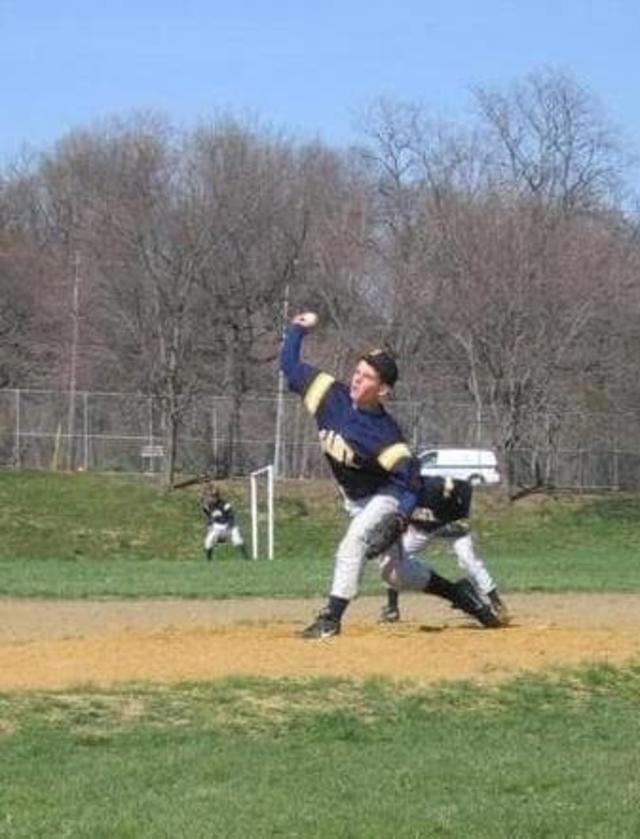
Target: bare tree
552	139
494	256
32	270
17	316
150	256
253	197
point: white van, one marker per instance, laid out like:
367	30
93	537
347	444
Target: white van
479	466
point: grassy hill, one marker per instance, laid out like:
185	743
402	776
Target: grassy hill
84	535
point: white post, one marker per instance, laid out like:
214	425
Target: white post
270	508
268	470
254	517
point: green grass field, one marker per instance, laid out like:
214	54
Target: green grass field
541	756
533	758
92	536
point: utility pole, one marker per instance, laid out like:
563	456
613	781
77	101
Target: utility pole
278	447
73	360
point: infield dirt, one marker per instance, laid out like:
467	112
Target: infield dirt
57	645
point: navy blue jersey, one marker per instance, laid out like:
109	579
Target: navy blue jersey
442	501
217	511
366	450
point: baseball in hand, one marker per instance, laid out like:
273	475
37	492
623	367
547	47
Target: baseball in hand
306	319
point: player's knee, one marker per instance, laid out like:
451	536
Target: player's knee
389	574
463	548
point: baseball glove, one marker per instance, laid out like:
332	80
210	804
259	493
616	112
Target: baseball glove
383	534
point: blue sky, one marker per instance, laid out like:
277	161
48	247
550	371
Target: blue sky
306	67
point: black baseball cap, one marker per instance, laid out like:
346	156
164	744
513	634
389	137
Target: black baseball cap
384	364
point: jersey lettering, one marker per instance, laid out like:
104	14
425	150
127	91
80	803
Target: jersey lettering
333	445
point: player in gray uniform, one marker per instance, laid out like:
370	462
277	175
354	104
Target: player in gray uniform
443	512
375	471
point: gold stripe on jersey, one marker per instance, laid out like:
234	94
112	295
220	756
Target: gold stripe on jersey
316	391
392	455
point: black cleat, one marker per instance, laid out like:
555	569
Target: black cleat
324	626
389	614
468	600
499	607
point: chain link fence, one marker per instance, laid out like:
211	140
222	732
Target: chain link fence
126	432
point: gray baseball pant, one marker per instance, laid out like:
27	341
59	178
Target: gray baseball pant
396	568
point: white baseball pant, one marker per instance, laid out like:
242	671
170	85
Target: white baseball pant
414	541
219	533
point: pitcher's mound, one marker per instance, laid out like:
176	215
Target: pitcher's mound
52	644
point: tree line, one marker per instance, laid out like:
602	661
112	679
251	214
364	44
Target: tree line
499	260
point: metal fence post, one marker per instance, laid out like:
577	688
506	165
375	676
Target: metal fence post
214	431
85	430
17	460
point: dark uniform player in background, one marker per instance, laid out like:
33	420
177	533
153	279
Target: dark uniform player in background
371	463
443	512
221	523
